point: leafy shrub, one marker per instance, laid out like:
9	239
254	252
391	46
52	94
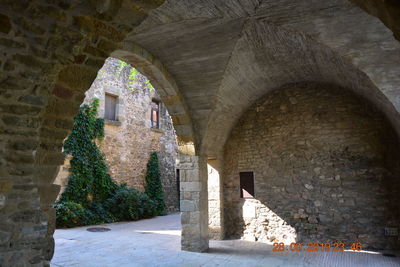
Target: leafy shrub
153	186
92	197
124	205
148	207
69	214
97	214
89	180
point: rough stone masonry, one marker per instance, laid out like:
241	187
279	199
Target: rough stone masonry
208	60
130	138
326	168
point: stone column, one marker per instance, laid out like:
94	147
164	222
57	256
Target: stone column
48	192
194	203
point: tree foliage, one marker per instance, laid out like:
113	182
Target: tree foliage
89	180
92	196
153	186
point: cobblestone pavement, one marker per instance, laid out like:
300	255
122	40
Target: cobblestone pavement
156	242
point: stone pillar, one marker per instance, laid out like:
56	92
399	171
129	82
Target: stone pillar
48	192
194	203
215	204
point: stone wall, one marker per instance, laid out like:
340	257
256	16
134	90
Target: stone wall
194	203
52	50
130	139
325	165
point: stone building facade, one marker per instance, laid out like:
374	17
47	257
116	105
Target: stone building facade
326	168
209	61
130	137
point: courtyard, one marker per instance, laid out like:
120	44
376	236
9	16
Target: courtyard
260	121
156	242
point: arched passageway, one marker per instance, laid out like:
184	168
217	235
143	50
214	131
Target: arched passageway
194	56
325	165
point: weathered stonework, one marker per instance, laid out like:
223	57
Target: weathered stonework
129	139
325	165
194	203
208	60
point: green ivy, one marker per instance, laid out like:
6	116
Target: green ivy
149	85
69	213
89	180
133	75
132	78
153	187
92	196
121	66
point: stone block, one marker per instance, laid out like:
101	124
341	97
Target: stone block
48	193
192	175
47	174
190	186
191	230
194	217
189	205
186	166
62	92
185	217
5	186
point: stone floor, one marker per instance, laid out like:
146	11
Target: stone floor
156	242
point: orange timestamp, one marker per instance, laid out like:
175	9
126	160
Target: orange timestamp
335	246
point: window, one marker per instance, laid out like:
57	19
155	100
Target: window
110	107
155	114
246	184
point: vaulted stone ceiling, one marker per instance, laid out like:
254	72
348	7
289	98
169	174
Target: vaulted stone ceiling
209	60
226	54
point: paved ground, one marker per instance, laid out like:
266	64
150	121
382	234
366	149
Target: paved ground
156	242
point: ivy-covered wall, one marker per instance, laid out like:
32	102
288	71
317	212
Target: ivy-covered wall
130	139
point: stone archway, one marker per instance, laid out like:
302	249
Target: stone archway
325	166
273	51
52	52
78	77
165	85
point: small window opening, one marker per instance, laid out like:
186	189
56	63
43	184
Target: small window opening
110	109
155	115
246	184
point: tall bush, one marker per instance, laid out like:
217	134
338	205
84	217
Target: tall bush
69	214
89	180
153	187
92	196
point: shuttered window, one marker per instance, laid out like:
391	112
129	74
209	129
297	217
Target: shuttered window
110	107
155	115
246	184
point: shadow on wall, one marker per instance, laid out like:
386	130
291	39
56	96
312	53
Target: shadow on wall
326	167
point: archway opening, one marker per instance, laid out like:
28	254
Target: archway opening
324	163
137	125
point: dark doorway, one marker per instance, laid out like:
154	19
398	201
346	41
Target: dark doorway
178	187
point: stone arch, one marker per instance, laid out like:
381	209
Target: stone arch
67	94
165	85
50	60
352	49
272	52
325	166
51	52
